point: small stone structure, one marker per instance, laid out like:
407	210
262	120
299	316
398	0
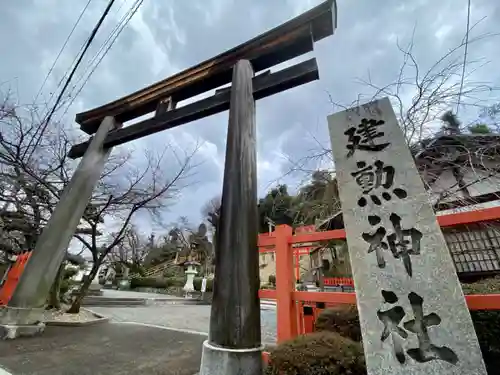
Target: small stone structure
190	271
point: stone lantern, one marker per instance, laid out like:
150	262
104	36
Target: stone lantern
190	269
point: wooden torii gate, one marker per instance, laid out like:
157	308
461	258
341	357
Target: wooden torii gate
234	345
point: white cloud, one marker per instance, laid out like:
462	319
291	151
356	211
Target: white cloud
165	37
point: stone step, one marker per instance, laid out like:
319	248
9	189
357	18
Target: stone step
104	301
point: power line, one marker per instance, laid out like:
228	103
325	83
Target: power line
118	29
59	84
61	50
465	55
103	45
89	41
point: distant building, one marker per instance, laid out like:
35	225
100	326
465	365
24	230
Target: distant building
461	172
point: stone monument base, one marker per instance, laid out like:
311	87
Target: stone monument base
20	322
223	361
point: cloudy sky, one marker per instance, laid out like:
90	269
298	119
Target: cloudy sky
165	37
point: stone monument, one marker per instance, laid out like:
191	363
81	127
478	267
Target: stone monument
413	314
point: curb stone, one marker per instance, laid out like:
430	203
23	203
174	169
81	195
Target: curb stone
100	319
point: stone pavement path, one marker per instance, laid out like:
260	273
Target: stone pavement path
111	293
188	317
105	348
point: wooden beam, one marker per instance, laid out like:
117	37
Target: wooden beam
263	86
165	105
291	39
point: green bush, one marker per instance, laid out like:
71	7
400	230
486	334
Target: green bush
197	284
166	282
487	328
318	353
344	321
69	272
176	281
272	279
484	286
66	284
486	323
173	272
152	282
341	319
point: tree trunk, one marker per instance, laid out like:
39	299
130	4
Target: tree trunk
54	295
77	302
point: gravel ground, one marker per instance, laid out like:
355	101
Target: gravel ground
188	317
60	315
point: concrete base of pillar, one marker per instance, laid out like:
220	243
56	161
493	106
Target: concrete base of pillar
10	332
223	361
20	322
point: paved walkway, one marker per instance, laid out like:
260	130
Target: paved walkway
107	348
111	293
187	317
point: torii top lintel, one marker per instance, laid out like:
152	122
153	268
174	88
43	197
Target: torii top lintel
266	50
287	41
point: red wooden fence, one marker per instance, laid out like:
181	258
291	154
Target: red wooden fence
13	275
290	318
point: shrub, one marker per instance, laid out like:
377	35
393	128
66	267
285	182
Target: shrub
175	281
69	272
198	281
166	282
486	323
488	334
173	272
484	286
342	319
65	285
268	286
272	279
152	282
318	353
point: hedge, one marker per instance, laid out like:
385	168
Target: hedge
486	323
344	321
153	282
272	279
341	319
198	281
167	282
318	353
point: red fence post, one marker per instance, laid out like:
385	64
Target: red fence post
285	285
12	277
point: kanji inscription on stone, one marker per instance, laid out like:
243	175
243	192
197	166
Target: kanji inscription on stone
413	314
378	176
363	136
419	325
401	242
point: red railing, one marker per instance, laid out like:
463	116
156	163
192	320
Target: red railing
290	318
338	281
12	278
